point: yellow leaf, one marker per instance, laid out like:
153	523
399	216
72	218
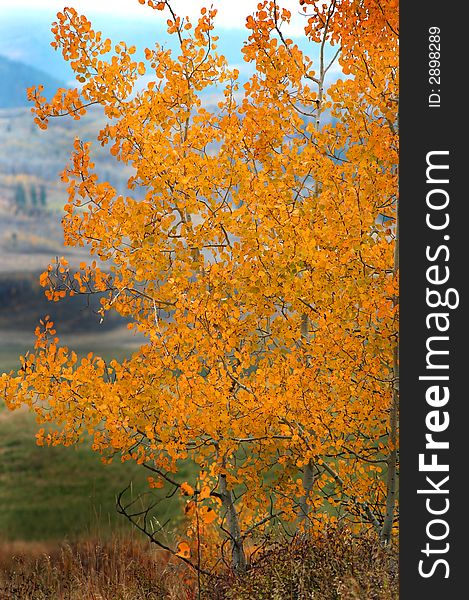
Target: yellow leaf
183	550
189	509
208	515
204	492
186	489
155	483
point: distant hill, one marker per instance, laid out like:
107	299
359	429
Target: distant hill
16	76
26	35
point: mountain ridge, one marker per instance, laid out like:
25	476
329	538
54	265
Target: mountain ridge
16	77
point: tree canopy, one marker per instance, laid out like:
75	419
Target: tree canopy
256	251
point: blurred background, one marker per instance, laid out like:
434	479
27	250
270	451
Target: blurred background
56	493
51	494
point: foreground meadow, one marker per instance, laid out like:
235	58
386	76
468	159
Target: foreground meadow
335	566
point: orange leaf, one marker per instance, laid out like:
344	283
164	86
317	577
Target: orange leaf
186	489
208	515
183	550
190	508
204	492
155	483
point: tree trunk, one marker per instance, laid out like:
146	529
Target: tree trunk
386	530
303	507
391	483
238	557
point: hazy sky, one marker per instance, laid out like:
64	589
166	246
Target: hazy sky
25	28
231	13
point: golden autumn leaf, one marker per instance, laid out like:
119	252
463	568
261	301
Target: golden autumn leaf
186	489
155	483
190	507
204	492
208	515
183	550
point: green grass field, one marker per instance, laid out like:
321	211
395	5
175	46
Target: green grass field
52	493
112	342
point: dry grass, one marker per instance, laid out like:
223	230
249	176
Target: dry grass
123	569
336	566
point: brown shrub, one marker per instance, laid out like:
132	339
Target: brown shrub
335	566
